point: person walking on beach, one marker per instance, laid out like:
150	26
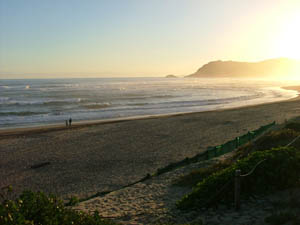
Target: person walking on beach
70	121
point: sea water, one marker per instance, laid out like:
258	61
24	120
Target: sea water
33	102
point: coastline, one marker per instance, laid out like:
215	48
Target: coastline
86	123
107	155
295	88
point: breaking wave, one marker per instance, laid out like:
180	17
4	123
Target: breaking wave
25	113
54	101
97	105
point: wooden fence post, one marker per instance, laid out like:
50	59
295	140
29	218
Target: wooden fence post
207	154
237	142
237	189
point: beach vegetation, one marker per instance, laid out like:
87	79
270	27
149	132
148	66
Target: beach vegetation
285	210
35	208
293	126
279	171
196	176
73	201
281	218
273	139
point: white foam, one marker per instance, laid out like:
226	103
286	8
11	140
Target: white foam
93	99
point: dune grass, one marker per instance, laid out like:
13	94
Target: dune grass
273	139
37	208
279	171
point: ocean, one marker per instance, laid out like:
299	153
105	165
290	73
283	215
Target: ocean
34	102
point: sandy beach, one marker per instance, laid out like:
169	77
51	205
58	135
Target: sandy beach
150	113
97	157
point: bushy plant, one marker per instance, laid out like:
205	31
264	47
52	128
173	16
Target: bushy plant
279	171
38	208
273	139
200	174
277	138
282	218
293	126
73	201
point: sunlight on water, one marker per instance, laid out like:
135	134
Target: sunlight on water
53	101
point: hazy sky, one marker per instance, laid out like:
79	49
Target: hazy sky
141	37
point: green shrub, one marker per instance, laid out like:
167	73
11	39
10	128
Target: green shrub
73	201
38	208
276	139
273	139
279	171
281	218
293	126
198	175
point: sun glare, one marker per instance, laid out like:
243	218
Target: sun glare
287	42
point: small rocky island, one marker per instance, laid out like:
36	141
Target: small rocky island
171	76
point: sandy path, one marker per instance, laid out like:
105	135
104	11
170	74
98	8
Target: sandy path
153	202
149	202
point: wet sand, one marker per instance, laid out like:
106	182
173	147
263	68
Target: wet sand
94	157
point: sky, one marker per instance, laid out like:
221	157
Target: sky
124	38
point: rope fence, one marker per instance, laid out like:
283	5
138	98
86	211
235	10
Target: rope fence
293	141
237	184
238	176
237	188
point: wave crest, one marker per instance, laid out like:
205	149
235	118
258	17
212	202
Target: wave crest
24	113
97	105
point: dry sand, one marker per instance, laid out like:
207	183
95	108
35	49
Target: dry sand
153	202
96	157
103	157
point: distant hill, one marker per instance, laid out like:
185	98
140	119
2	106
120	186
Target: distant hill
269	68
